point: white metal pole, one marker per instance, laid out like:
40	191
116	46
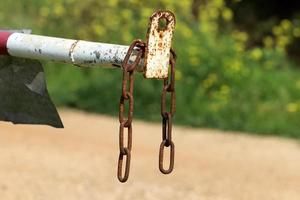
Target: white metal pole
76	52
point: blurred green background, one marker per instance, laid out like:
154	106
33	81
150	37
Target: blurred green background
237	60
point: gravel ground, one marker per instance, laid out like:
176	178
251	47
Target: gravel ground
79	162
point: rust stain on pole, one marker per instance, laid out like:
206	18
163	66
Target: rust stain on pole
159	41
71	51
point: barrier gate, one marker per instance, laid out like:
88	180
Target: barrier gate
23	93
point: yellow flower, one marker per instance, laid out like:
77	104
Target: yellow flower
296	32
240	47
227	14
256	54
59	10
194	61
214	107
269	64
292	107
225	89
286	24
298	84
211	79
277	30
126	14
99	30
178	74
112	3
236	65
240	36
213	13
243	36
218	3
44	11
268	41
126	36
282	41
185	30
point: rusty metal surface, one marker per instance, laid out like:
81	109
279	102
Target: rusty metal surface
127	95
159	41
167	116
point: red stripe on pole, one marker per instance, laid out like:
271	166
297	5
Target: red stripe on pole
3	41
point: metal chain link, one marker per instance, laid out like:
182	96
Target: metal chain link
168	87
127	95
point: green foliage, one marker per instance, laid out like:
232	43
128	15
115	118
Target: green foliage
220	83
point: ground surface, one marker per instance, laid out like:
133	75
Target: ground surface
79	162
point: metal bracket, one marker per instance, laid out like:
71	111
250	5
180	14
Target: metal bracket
159	41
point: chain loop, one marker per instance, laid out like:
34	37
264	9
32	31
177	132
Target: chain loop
127	95
168	87
161	157
122	108
121	138
167	129
127	154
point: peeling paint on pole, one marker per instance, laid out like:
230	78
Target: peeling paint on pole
77	52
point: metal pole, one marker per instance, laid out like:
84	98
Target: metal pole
76	52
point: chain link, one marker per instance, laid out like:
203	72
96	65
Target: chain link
127	95
168	87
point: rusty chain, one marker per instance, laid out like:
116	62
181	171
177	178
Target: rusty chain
168	87
127	95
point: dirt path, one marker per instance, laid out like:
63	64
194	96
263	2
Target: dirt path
79	162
